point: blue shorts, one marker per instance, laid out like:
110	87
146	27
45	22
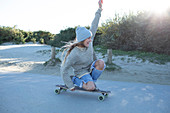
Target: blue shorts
93	76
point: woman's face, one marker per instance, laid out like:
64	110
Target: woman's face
87	42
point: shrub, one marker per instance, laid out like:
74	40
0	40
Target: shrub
144	31
64	36
41	41
33	40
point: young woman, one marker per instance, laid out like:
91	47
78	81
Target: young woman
81	58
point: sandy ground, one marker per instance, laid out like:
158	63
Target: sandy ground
30	58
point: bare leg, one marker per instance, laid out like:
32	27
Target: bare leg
99	65
89	86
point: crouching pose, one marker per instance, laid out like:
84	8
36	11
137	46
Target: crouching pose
80	56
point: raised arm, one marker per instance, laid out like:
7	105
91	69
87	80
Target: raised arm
95	22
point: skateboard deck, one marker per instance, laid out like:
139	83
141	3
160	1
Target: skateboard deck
101	97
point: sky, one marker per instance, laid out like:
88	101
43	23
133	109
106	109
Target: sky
56	15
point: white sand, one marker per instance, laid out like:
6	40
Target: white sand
29	58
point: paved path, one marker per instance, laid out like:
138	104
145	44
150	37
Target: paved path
34	93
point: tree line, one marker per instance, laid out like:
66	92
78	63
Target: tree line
144	31
17	36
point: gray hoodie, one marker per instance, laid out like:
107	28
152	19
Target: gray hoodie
80	59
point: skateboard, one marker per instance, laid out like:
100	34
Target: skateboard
63	88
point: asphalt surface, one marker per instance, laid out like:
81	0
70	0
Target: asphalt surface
34	93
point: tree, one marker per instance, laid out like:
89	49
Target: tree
110	31
58	41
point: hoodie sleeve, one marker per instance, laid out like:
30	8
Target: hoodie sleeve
70	61
95	22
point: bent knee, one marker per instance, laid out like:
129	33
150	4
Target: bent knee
99	64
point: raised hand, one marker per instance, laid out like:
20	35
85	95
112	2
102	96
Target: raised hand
100	3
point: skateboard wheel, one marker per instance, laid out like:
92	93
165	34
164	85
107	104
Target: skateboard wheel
105	94
57	91
101	98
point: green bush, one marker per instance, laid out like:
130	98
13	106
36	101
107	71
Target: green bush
143	31
41	41
17	36
33	40
46	36
63	37
11	34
